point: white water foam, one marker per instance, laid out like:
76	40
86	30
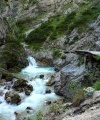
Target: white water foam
36	98
32	61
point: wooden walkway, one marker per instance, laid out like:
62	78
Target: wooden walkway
83	52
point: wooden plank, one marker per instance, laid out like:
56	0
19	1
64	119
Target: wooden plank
83	52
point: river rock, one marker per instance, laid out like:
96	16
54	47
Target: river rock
48	91
58	63
29	108
50	83
44	58
72	58
48	102
41	76
89	91
22	86
51	80
12	97
19	83
28	89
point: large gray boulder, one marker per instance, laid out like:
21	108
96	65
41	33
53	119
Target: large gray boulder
44	57
70	79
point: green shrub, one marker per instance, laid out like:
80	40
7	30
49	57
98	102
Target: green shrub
78	97
56	52
97	57
40	34
33	1
12	53
36	46
55	107
63	56
96	85
39	115
60	24
73	85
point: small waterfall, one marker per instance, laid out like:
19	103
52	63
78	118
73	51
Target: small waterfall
34	70
38	96
32	61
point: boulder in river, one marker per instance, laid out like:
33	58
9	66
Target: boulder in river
22	86
12	97
41	76
19	83
48	91
28	89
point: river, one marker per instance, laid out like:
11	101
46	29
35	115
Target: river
38	96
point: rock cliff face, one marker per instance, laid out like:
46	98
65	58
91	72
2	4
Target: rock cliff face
77	70
3	31
22	9
12	53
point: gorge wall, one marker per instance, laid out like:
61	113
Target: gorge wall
28	8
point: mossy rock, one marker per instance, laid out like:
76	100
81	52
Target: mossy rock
12	97
13	55
6	75
20	83
22	86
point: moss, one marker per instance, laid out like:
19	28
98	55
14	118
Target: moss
97	57
96	85
56	52
73	85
